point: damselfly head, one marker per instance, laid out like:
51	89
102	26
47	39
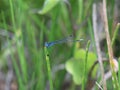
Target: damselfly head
46	44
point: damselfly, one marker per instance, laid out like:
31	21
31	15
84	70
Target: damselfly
70	38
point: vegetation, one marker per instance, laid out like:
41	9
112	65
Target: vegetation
59	45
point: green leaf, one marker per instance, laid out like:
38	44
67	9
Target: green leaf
75	65
74	68
48	5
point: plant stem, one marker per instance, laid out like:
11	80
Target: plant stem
48	68
109	45
95	28
85	66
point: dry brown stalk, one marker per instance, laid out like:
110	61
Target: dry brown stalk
110	51
109	45
95	28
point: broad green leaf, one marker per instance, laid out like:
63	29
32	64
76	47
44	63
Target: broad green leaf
75	65
48	5
74	68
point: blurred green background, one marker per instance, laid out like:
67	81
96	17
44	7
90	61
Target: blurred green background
25	26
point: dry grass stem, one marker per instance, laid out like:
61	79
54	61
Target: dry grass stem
109	45
98	46
110	51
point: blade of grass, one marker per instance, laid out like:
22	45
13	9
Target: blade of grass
20	48
80	2
115	34
35	57
98	85
21	54
85	66
12	14
12	50
119	71
91	33
89	5
40	52
48	68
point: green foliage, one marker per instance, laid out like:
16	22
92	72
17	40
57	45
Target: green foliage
75	65
48	5
48	67
27	32
119	71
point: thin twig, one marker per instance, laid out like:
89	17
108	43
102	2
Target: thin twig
98	46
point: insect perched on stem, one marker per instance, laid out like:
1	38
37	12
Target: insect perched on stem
49	44
67	39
